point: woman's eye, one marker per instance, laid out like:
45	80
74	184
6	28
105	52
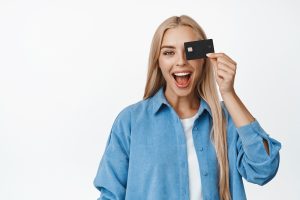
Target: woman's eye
167	53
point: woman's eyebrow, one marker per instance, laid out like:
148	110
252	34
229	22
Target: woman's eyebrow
167	46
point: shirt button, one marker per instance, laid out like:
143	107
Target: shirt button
196	128
201	148
205	173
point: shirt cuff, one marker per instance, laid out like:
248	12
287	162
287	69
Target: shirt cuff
249	132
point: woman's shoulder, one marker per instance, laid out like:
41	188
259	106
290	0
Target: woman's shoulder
133	110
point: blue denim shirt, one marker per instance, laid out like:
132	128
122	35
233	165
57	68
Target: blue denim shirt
145	157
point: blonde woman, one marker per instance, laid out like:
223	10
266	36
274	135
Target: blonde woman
181	142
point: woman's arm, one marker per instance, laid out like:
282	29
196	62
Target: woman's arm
111	178
253	162
239	113
257	153
225	70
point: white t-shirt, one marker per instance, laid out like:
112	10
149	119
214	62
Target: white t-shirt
194	170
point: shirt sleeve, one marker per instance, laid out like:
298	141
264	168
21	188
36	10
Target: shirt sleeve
111	178
253	161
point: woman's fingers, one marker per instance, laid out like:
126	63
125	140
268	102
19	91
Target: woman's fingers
223	61
223	74
226	62
225	68
220	55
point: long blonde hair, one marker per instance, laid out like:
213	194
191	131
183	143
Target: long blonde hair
206	88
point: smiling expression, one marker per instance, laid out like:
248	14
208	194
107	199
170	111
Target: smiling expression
181	75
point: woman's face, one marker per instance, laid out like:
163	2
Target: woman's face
180	74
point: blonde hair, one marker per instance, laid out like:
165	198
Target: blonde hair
206	88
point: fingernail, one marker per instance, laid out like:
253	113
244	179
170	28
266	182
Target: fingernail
208	54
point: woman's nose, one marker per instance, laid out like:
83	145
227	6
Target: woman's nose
181	58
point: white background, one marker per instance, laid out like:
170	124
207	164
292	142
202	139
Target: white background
67	68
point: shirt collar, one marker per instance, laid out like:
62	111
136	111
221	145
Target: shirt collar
159	99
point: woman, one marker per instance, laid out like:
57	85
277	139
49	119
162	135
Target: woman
181	142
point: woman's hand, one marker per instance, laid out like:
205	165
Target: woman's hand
224	70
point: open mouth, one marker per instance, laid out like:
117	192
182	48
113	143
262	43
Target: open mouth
182	79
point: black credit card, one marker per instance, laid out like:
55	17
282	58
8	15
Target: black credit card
198	49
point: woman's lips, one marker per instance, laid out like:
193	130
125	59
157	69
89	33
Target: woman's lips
182	81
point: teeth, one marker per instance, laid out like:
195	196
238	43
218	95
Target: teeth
182	73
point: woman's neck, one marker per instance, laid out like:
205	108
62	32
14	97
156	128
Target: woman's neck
185	106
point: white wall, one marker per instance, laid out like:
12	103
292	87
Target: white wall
68	67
